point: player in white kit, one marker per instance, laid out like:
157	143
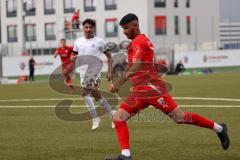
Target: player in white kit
87	51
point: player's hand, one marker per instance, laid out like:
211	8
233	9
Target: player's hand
113	88
73	58
109	76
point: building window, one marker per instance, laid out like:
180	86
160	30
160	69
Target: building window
176	3
49	6
160	25
50	33
89	5
69	6
29	7
12	33
11	8
111	27
160	3
188	24
110	4
187	3
30	32
176	22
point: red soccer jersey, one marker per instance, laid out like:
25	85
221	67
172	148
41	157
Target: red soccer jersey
75	16
142	48
65	54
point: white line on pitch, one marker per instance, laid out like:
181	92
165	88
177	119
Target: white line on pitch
40	99
207	99
82	106
177	98
210	106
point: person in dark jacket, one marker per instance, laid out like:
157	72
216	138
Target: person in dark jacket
31	64
180	68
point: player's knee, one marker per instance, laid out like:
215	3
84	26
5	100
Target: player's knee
83	94
118	117
178	118
97	98
114	118
177	115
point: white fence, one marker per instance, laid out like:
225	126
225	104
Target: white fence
45	65
18	66
205	59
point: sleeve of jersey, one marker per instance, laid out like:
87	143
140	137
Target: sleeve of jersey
105	48
138	51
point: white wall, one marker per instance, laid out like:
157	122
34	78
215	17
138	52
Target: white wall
204	24
123	7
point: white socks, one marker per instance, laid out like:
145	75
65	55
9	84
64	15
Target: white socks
217	128
90	106
126	152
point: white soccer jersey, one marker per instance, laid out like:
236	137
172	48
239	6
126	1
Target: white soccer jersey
94	46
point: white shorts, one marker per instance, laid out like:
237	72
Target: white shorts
90	79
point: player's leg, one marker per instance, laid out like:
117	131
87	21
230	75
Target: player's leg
85	93
181	117
104	103
67	69
169	106
68	80
31	75
127	109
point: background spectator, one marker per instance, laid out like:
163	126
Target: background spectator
31	64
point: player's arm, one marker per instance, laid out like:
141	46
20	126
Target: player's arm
137	61
74	53
110	61
137	64
74	56
56	53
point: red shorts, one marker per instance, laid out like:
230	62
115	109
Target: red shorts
134	103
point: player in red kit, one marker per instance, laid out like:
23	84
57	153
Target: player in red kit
65	53
148	89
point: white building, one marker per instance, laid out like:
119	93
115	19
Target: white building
176	24
0	29
230	35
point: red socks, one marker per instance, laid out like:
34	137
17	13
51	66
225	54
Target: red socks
123	134
195	119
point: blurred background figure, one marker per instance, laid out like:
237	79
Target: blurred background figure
65	53
179	68
31	64
75	19
67	26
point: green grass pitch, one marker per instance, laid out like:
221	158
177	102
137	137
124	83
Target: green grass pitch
30	130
